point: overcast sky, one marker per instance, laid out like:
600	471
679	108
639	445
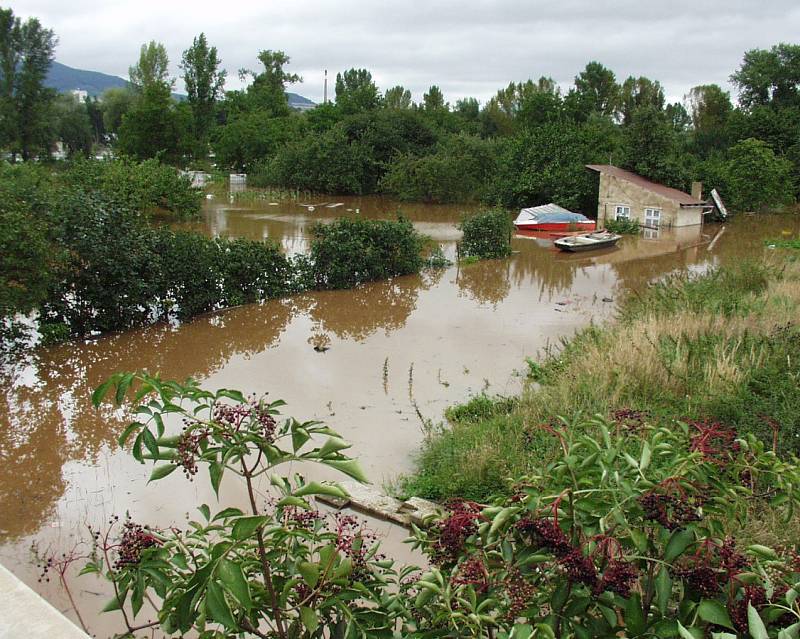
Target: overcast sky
468	48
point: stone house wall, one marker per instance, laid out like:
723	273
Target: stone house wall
615	191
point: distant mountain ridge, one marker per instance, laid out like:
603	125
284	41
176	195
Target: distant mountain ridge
64	79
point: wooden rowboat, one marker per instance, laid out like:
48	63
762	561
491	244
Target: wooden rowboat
587	241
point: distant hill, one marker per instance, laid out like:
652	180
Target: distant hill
299	102
63	79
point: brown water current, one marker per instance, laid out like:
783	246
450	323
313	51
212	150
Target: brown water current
417	343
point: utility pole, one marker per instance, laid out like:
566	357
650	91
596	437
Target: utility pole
325	98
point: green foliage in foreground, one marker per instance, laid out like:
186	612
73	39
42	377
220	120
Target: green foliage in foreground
723	346
629	533
351	251
623	226
487	235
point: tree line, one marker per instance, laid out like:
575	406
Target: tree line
528	144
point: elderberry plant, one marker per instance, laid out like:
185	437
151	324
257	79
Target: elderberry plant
626	534
282	569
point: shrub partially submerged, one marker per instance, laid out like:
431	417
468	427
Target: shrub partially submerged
622	226
487	235
147	186
351	251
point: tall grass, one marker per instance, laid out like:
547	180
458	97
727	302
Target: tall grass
723	346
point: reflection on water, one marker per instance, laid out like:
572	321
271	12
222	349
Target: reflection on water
438	337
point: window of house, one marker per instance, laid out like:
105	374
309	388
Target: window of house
652	218
622	212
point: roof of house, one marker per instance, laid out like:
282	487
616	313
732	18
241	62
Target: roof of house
684	199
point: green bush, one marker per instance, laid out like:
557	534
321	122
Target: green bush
121	272
622	226
147	186
487	235
458	171
351	251
635	532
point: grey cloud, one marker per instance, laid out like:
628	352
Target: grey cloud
467	48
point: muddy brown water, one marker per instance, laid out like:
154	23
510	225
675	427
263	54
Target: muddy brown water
417	343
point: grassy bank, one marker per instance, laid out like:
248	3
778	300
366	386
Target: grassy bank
724	347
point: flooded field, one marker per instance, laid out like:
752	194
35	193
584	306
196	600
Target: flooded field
400	352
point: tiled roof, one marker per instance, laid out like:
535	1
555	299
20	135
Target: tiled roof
684	199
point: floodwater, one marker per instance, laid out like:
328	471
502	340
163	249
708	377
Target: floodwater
400	351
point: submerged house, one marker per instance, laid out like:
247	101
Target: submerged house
624	194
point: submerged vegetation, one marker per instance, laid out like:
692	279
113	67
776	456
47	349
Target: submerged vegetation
351	251
722	347
82	250
623	226
487	235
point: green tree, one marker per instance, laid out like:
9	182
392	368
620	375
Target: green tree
757	177
204	81
397	97
710	109
433	100
95	111
356	92
152	69
251	138
596	91
154	125
267	92
769	77
651	148
73	126
638	92
115	103
26	52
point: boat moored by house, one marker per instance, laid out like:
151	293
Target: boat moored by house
587	241
551	217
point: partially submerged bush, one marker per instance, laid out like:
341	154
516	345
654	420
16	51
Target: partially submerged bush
351	251
623	226
121	272
487	235
147	186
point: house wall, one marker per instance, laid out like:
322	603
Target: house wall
615	191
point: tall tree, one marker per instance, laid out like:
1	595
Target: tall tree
152	69
769	77
116	102
204	81
268	89
651	147
597	88
9	62
26	53
433	100
638	92
710	108
397	98
355	91
154	125
73	125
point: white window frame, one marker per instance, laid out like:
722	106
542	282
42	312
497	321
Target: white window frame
622	216
650	220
